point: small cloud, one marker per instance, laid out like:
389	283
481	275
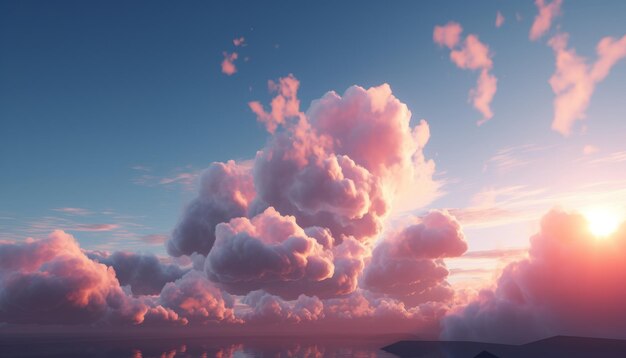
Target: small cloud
95	227
155	239
496	254
590	149
239	41
228	64
470	54
73	211
543	20
140	168
499	19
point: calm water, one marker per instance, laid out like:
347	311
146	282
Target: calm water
193	347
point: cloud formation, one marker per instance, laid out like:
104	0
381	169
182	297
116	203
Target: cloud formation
283	238
144	273
574	80
228	64
543	20
571	284
499	19
470	54
51	281
226	190
413	258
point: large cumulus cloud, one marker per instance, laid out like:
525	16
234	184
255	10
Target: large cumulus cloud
408	264
272	252
144	273
225	193
284	238
571	284
51	281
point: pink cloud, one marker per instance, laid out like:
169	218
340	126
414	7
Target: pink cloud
155	239
574	80
571	284
412	256
543	20
51	281
499	19
471	54
284	105
589	149
292	230
240	41
95	227
228	64
197	299
73	211
144	273
225	192
448	35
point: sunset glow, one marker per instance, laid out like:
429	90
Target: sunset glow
449	170
603	221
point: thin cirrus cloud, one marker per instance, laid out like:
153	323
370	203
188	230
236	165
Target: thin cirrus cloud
95	227
470	54
73	211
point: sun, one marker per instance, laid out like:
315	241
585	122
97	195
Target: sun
602	221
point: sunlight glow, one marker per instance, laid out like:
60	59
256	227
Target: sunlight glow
602	221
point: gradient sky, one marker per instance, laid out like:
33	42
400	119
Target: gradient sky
111	110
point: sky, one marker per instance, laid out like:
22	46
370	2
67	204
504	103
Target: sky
197	141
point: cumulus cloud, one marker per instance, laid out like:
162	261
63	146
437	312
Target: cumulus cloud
571	284
197	299
543	20
470	54
408	264
144	273
281	238
51	281
271	252
574	80
226	190
228	64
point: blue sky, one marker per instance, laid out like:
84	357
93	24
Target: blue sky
101	103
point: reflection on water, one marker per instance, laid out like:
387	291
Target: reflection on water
195	347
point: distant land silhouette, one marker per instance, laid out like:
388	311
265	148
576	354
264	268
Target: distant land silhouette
558	346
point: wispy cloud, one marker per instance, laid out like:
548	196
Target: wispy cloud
470	54
508	158
95	227
612	158
496	254
155	239
574	80
499	19
73	211
186	177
